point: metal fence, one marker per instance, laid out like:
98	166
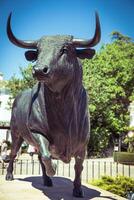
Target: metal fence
93	169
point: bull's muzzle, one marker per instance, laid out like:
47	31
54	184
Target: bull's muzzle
40	72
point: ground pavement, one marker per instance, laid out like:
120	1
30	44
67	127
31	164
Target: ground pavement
31	188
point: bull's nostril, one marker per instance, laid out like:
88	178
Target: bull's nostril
45	70
35	68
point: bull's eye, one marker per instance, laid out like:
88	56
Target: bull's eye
64	50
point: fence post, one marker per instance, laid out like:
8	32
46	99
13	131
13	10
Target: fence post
63	169
87	171
111	169
69	170
32	167
129	170
15	167
21	167
2	168
27	167
123	169
104	167
39	168
98	169
117	169
93	170
57	167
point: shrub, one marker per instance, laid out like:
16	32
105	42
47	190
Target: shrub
119	185
124	157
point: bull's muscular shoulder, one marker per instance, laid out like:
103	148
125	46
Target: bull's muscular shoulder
20	108
22	99
25	99
37	117
29	110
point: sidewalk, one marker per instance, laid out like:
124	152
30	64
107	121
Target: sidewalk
31	188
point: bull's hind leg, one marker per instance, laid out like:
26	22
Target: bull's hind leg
77	191
16	144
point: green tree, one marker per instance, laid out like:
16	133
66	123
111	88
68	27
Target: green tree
109	79
16	85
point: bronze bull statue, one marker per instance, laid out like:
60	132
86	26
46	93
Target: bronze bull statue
53	115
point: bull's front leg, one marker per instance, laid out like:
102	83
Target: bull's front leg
46	179
77	191
48	168
46	156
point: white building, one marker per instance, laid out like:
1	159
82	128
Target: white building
5	111
131	110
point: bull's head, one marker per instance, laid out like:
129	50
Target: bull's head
57	56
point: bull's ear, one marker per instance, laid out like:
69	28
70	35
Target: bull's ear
31	55
85	53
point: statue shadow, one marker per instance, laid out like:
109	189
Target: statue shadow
62	189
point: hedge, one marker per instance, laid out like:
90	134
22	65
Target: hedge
120	185
124	157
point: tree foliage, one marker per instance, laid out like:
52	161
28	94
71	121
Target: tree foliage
109	79
16	85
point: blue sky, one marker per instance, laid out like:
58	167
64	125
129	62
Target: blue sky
33	18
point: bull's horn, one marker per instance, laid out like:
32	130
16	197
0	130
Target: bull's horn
92	42
17	42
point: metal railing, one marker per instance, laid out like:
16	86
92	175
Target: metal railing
93	169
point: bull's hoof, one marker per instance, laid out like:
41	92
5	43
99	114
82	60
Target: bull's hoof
78	193
9	177
48	182
50	167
